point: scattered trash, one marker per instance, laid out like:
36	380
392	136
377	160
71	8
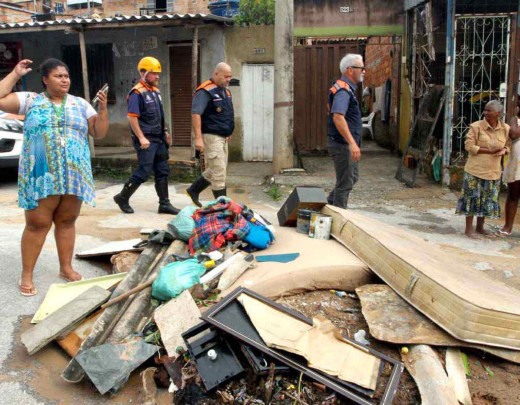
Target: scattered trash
404	350
489	371
359	337
465	362
279	258
508	274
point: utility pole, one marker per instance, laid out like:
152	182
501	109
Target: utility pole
283	86
88	8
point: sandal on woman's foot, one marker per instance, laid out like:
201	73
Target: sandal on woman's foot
503	233
70	280
27	291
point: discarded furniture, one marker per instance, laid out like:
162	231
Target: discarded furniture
463	301
367	123
337	269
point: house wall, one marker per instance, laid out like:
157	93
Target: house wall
353	18
109	8
129	46
254	44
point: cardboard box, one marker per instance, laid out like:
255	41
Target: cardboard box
313	198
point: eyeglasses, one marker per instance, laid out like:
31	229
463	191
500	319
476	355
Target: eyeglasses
358	67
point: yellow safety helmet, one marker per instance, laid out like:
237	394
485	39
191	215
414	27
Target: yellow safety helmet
150	64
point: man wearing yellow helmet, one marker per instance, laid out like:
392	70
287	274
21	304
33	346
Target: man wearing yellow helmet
150	137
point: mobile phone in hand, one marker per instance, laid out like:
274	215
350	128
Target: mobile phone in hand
95	100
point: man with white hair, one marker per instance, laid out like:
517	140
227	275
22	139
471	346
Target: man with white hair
213	121
344	128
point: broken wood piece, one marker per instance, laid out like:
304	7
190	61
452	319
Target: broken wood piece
111	248
72	342
235	270
457	376
127	294
140	304
173	318
392	319
64	319
463	301
73	372
424	365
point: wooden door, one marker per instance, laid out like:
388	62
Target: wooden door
315	69
181	94
257	105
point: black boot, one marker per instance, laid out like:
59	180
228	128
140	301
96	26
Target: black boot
197	187
219	193
165	206
122	198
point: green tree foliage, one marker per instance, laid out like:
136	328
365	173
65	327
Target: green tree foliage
256	12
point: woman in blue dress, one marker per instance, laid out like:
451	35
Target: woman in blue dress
54	174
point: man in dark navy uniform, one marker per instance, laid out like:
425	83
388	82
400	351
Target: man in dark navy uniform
344	128
150	137
213	121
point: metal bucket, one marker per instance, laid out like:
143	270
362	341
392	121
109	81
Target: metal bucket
320	226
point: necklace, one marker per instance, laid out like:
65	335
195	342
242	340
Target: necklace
59	114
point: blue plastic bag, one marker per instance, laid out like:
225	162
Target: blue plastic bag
176	277
183	224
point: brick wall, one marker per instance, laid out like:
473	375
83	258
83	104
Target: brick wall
378	60
109	9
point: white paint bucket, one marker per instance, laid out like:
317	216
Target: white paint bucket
320	226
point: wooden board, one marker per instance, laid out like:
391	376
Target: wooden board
424	365
112	248
465	302
72	342
322	265
64	319
392	319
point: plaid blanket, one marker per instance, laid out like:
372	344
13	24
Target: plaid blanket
217	223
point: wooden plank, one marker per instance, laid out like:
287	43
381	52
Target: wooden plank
112	248
466	303
72	342
64	319
424	365
457	376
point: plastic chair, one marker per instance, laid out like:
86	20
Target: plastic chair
367	123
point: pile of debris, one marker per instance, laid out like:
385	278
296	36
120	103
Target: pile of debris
246	348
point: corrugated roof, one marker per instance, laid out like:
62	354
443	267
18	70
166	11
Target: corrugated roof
117	20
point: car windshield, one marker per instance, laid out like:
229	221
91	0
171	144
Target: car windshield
11	122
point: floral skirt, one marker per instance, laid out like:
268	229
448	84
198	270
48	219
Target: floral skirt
479	197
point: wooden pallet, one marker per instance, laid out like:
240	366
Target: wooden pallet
463	301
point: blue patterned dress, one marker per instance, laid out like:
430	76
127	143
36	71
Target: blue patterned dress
55	158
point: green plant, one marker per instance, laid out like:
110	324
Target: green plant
274	192
255	12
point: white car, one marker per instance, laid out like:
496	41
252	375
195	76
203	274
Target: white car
11	135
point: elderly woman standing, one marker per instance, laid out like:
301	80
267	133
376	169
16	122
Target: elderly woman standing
54	175
486	144
512	175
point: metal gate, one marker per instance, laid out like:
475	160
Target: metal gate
481	64
258	100
316	67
